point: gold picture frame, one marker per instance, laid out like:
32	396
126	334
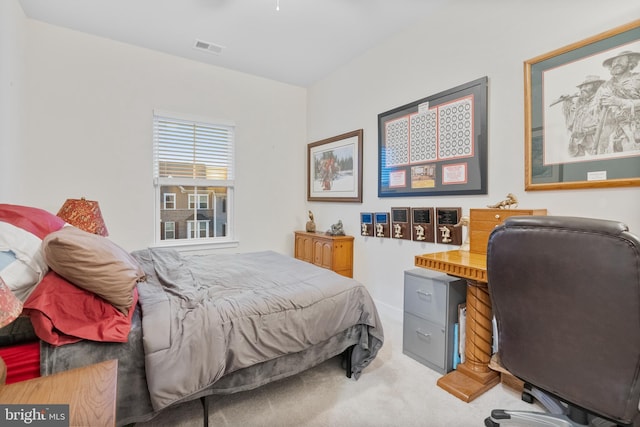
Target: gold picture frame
577	135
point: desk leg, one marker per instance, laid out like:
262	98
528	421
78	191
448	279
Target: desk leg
473	377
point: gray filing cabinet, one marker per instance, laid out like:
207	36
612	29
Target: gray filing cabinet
430	311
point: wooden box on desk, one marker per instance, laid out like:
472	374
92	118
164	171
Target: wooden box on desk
506	377
483	221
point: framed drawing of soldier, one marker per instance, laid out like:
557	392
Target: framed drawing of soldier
582	113
334	168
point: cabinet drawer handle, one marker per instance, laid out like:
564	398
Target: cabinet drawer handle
423	334
497	216
425	294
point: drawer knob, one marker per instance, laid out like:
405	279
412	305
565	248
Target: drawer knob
425	294
497	216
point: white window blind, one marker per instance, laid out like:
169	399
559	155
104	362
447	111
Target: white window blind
193	150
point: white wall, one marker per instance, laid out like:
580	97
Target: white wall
12	43
77	122
462	41
88	132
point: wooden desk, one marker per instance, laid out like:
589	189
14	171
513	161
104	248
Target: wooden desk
89	391
473	377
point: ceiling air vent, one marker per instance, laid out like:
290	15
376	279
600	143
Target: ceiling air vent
209	47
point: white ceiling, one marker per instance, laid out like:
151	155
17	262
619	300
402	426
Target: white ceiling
299	44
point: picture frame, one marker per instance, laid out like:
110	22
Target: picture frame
578	117
334	168
435	146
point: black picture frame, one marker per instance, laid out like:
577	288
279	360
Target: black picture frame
435	146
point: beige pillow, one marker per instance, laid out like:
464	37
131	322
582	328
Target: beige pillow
93	263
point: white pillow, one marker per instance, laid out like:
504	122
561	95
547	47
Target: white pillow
29	267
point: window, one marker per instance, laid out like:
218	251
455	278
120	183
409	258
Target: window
202	201
196	229
169	230
194	179
169	200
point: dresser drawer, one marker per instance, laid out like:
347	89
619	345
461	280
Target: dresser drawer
425	298
424	341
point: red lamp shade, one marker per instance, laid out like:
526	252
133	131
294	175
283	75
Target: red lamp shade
84	214
10	305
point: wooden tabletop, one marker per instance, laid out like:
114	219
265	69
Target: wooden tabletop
89	391
468	265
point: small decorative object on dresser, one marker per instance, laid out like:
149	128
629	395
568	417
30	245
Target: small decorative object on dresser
311	225
330	252
336	229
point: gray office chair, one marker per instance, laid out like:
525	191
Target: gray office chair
566	298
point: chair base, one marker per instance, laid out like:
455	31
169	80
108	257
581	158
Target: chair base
500	417
557	415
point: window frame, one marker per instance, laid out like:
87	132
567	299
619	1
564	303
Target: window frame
194	244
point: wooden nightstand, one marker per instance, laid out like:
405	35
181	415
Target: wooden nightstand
89	391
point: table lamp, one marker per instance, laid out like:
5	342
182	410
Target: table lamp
84	214
10	309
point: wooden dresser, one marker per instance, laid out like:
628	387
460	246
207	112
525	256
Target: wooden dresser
331	252
483	221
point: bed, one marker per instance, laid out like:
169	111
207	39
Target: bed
199	325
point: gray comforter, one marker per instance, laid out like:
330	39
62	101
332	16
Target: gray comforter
204	317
